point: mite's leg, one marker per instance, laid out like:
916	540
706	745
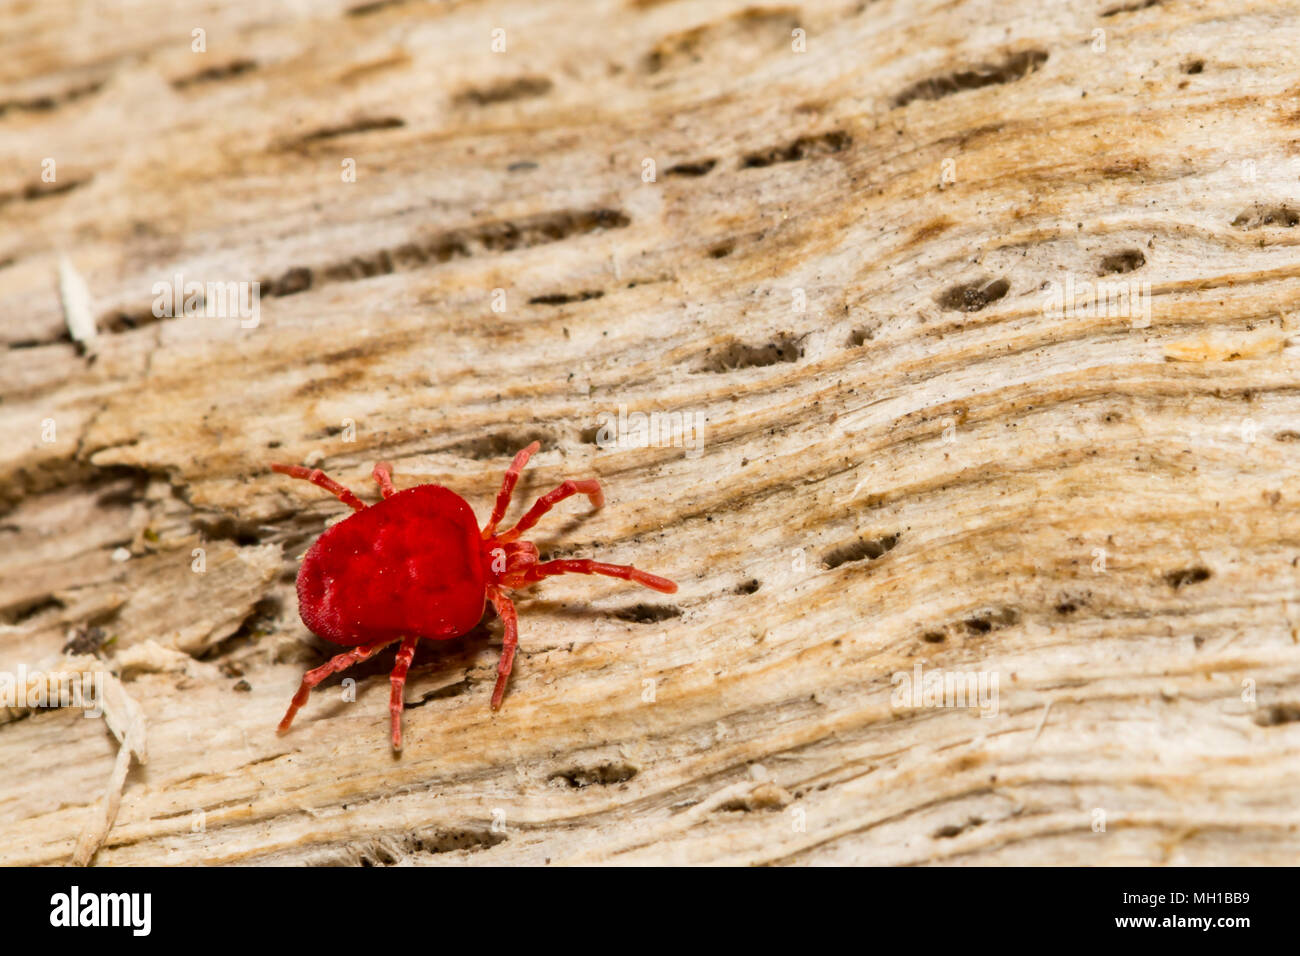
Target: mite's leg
508	488
506	610
588	486
625	571
404	655
383	475
314	677
318	477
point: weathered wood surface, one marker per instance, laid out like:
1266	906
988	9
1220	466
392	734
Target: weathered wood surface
996	446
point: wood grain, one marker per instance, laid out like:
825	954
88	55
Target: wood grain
844	265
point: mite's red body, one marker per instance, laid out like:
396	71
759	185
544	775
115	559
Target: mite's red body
416	565
410	564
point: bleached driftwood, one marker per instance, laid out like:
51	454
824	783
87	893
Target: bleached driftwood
857	240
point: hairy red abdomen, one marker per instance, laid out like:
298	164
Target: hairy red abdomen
410	565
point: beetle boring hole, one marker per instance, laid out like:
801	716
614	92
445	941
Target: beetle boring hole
973	296
1186	576
994	620
398	848
648	613
1125	261
295	280
1014	67
364	124
380	855
499	445
604	775
1133	6
740	355
123	321
517	88
26	610
39	189
1262	216
214	74
805	147
952	830
860	337
1278	714
861	550
765	796
700	168
227	528
564	298
447	841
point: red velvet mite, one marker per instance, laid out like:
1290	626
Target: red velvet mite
416	565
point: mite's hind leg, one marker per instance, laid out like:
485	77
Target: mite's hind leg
322	480
314	677
404	655
383	475
510	620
